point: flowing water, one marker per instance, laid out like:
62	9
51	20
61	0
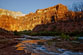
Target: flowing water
36	47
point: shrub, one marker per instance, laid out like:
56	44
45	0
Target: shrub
16	33
33	34
64	36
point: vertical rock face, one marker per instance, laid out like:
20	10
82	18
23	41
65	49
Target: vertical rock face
8	22
73	22
47	15
61	11
41	16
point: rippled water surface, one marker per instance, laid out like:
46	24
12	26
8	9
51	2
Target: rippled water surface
32	46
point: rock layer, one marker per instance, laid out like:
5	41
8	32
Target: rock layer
44	16
52	14
11	13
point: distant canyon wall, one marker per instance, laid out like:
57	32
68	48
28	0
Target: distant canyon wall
11	13
52	14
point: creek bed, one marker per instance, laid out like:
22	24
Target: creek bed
41	47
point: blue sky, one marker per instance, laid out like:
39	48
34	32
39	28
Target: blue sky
27	6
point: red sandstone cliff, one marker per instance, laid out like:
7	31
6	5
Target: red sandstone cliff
44	16
53	14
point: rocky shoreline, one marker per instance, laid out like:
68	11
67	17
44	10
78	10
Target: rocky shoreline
74	46
8	43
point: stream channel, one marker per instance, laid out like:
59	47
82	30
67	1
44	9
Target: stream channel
36	45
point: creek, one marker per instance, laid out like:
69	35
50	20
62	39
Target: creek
37	45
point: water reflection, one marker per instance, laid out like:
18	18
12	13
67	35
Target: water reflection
32	46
